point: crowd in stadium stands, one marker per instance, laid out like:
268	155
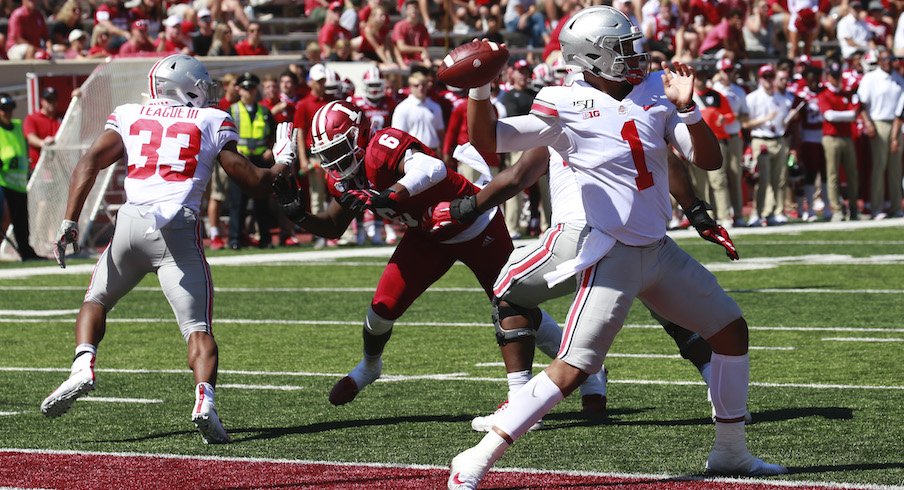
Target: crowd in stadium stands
805	96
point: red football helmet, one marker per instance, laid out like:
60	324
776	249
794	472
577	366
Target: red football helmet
340	131
374	85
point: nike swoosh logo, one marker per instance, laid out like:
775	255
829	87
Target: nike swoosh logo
647	107
283	147
456	480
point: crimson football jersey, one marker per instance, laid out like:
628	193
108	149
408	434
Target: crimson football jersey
385	151
379	114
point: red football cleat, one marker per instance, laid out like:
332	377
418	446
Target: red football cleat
344	391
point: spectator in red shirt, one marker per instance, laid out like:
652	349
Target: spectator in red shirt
304	116
410	38
331	30
230	92
100	43
41	127
373	42
282	106
139	40
838	114
727	35
251	46
172	40
27	32
114	17
152	12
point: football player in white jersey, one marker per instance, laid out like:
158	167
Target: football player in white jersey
170	145
613	127
521	281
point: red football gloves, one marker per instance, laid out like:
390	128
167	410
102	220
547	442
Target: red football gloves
709	230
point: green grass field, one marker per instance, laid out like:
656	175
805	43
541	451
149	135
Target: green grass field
827	367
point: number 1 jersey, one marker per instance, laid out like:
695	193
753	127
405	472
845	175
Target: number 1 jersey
170	150
617	149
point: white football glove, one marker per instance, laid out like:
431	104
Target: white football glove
285	149
68	235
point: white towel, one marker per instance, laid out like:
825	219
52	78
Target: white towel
162	213
594	248
469	155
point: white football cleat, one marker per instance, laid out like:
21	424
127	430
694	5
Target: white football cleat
723	462
80	381
204	416
468	468
347	388
484	424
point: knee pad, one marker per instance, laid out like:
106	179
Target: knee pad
503	310
375	324
690	344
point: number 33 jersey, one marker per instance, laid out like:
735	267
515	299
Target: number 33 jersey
170	150
617	148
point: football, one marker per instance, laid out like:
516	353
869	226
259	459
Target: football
473	64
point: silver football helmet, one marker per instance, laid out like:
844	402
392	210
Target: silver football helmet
181	78
601	40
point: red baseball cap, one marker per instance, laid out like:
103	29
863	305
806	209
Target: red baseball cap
725	64
141	25
336	5
765	69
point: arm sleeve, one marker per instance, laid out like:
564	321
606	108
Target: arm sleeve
225	133
422	172
113	122
525	132
840	116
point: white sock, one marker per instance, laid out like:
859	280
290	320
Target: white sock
730	437
529	405
492	444
213	232
728	385
706	373
92	349
549	336
516	380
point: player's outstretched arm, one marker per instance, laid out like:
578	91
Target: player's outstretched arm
254	180
530	167
508	183
106	150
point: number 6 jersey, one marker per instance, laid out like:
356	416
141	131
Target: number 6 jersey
617	148
170	150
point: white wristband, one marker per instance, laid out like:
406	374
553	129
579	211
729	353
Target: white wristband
689	118
480	93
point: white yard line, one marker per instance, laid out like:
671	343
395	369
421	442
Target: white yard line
259	387
391	378
32	313
627	476
108	399
860	339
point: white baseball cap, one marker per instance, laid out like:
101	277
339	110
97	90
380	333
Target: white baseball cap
203	13
76	34
317	72
173	21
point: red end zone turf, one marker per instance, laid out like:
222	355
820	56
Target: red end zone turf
28	469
